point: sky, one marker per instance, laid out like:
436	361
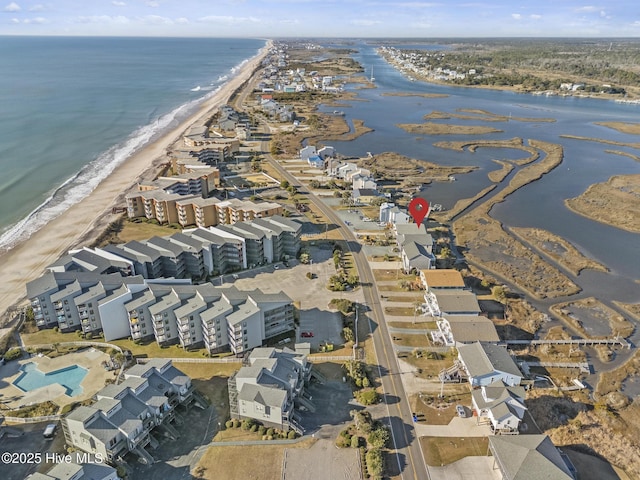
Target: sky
321	18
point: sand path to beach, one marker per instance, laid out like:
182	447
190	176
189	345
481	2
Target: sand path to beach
87	219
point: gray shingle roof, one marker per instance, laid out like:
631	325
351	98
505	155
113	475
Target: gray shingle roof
485	358
267	396
457	301
529	457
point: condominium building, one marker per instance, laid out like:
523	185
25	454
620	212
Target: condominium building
167	311
76	471
124	415
205	316
192	181
80	300
154	204
202	212
269	388
235	210
166	207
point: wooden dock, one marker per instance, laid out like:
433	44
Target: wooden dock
589	342
584	367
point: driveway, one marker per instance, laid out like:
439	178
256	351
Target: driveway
26	439
469	468
175	458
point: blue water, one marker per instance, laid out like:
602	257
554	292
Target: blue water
69	377
540	204
72	109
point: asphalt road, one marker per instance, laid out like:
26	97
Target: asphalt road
409	461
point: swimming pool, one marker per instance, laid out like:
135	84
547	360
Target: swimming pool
69	377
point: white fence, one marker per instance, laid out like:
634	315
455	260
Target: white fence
46	418
197	360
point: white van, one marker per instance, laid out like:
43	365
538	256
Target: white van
50	430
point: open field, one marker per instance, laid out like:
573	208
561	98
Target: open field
498	176
604	431
250	462
615	203
440	451
395	167
494	250
592	312
410	94
557	248
485	116
623	127
430	128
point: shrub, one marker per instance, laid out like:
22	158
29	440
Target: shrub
355	441
254	428
270	432
262	430
375	464
367	396
13	354
292	434
229	424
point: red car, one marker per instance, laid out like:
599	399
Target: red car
306	334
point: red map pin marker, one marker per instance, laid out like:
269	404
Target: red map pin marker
418	208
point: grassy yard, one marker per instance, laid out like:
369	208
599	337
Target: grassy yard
417	325
143	231
48	336
210	379
445	450
400	311
150	349
385	275
255	462
430	367
411	340
440	412
405	298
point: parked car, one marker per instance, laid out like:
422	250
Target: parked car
306	334
461	411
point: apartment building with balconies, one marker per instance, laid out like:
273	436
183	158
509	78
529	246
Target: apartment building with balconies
124	415
146	261
269	386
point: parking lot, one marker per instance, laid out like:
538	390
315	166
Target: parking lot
174	458
26	439
311	295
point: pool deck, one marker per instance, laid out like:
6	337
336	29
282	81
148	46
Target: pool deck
90	359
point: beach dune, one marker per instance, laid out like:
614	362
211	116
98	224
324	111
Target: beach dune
86	220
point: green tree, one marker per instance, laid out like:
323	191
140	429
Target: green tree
347	334
375	463
367	396
379	437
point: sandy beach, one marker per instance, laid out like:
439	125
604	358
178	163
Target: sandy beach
87	219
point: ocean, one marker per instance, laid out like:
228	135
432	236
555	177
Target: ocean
72	109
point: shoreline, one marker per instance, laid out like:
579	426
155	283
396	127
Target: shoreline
88	218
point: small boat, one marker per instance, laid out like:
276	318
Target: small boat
372	79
